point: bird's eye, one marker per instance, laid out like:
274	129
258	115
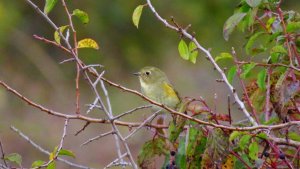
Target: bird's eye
147	73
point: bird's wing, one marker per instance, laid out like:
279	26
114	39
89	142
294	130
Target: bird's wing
168	88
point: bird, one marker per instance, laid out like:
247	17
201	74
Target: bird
156	86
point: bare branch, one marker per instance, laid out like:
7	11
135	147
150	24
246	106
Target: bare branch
3	154
143	124
97	138
45	151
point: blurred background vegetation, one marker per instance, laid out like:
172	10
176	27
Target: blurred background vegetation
32	68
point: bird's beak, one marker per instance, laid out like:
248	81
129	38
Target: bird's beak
137	73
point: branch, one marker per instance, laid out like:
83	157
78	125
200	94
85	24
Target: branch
128	124
78	117
45	151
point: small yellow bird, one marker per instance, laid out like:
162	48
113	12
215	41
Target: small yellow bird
156	86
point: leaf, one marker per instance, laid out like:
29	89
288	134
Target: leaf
231	23
231	73
240	165
52	165
234	135
65	152
137	15
244	141
51	155
217	148
87	43
262	135
183	50
261	79
195	148
246	69
37	163
270	23
278	49
14	157
193	52
271	121
253	151
149	150
293	26
229	163
222	56
49	5
294	136
251	41
56	33
81	15
258	99
253	3
180	157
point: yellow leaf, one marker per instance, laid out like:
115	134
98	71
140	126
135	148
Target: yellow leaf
88	43
137	15
51	156
229	163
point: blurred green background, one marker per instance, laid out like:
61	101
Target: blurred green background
32	68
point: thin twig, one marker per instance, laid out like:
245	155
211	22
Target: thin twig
97	138
45	151
132	110
3	154
115	162
83	128
143	124
59	147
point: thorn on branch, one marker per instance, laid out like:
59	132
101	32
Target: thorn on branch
67	60
220	80
86	124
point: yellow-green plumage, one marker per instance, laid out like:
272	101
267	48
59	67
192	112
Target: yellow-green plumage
156	86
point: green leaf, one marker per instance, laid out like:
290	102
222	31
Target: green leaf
137	15
81	15
240	165
231	23
56	33
37	163
49	5
14	157
270	23
244	141
87	43
271	121
293	26
222	56
251	41
253	151
246	69
261	79
193	52
52	165
262	135
65	152
253	3
183	50
294	136
180	156
150	149
278	49
231	73
234	135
